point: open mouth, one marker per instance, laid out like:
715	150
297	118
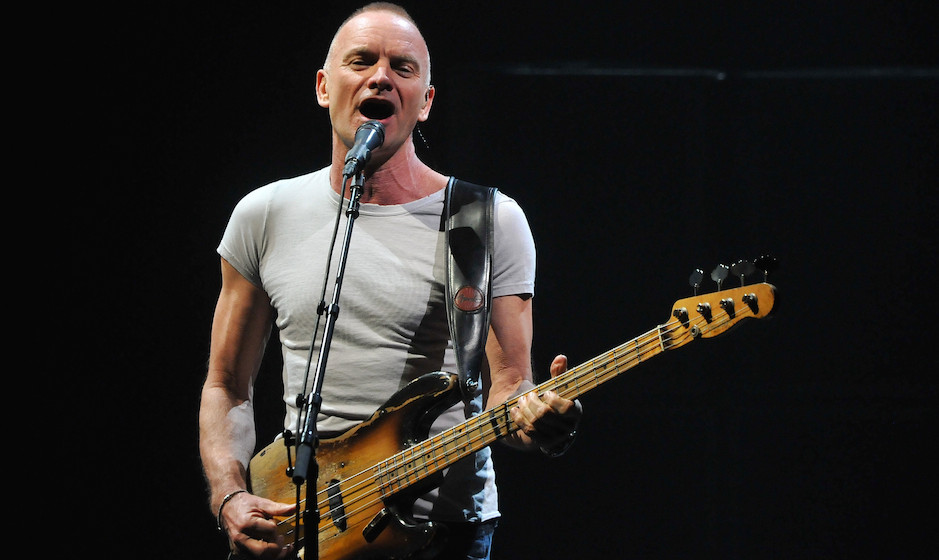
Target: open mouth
376	108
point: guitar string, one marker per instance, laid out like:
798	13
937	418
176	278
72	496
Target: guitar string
650	342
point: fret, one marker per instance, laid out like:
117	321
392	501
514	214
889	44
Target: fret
389	471
432	451
463	435
494	421
385	479
406	468
418	462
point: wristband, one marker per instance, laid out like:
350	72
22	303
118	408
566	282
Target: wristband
562	449
225	500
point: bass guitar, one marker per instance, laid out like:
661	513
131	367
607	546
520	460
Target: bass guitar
370	476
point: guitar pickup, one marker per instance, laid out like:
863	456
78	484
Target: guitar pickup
337	511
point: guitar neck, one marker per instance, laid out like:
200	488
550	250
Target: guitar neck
692	318
434	454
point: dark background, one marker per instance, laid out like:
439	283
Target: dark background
644	140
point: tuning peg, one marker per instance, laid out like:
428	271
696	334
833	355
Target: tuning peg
719	274
695	279
742	269
766	263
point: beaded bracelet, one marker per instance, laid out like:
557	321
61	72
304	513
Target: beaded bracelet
225	500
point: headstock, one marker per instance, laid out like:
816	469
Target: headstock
708	315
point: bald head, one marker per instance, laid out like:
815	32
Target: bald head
403	19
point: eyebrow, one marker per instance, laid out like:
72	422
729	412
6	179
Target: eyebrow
366	52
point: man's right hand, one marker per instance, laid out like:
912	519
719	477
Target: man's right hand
251	528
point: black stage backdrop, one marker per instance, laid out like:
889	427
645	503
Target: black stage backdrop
644	140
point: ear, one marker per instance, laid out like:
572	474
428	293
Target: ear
428	101
322	96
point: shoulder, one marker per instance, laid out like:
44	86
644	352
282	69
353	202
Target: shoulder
284	193
509	213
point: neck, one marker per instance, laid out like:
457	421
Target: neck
399	179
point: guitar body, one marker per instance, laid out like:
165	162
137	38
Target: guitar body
361	519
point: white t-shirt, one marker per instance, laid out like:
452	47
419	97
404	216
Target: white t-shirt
392	325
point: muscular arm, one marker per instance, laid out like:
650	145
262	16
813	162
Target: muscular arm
542	420
240	331
508	349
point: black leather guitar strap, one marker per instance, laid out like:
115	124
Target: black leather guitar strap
468	211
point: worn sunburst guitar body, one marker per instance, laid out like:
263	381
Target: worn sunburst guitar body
370	476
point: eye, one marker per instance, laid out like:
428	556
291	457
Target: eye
360	60
405	70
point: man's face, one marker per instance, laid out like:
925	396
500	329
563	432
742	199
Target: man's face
378	69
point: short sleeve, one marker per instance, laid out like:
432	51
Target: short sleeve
242	242
513	259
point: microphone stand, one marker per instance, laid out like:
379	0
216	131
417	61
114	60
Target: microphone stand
306	468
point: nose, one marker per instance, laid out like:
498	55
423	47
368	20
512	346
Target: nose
381	78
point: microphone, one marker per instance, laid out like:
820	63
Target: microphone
368	137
